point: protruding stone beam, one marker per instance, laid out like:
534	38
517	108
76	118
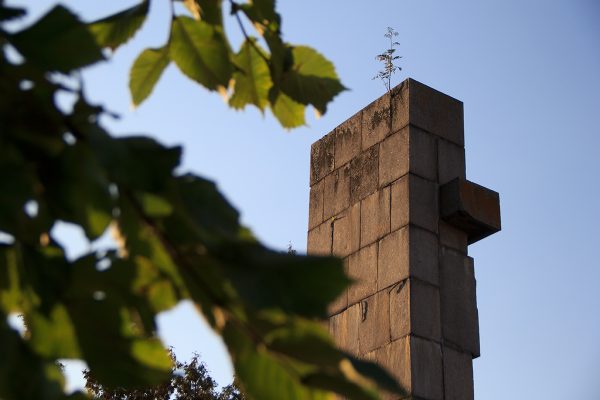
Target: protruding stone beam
471	208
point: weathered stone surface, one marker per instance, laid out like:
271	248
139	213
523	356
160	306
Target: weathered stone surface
416	364
336	192
419	105
319	239
452	237
408	252
341	302
346	231
376	121
394	157
471	208
460	321
458	375
348	139
393	265
400	203
315	205
426	367
374	328
414	200
395	358
375	216
322	160
363	174
362	268
408	150
415	309
344	329
422	153
451	161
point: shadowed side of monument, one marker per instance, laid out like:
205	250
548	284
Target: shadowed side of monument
389	195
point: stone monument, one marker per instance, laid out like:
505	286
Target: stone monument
389	195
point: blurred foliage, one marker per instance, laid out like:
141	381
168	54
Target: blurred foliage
178	236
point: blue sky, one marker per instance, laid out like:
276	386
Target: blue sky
528	74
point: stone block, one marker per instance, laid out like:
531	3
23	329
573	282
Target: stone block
336	188
451	161
374	327
346	231
362	268
417	366
395	358
363	174
471	208
426	366
375	216
341	303
319	239
423	153
458	375
435	112
407	252
348	139
452	237
414	200
408	150
315	205
322	158
394	157
344	329
376	121
415	309
460	321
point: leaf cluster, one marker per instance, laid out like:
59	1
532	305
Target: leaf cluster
282	78
178	236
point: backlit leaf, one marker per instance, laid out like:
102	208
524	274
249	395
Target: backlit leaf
312	79
116	29
146	71
253	80
201	52
288	112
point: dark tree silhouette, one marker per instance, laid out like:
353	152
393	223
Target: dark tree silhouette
188	381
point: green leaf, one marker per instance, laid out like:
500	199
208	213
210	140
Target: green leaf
377	374
53	335
25	376
202	214
110	321
304	340
10	13
77	189
116	29
311	80
268	279
263	375
253	80
209	11
146	71
341	385
201	52
59	41
154	206
138	163
289	113
262	13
